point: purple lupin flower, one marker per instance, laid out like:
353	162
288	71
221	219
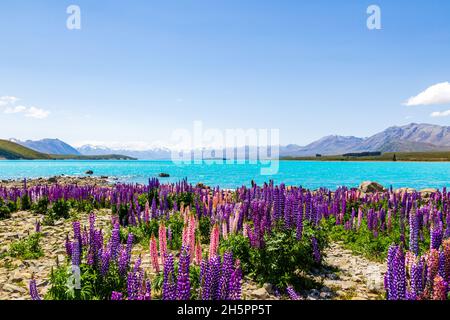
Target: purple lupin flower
115	241
413	233
77	231
169	286
316	250
300	223
235	282
211	283
33	290
37	226
123	262
183	282
76	253
224	282
131	286
68	245
148	290
389	283
116	295
436	236
292	294
417	278
106	257
91	228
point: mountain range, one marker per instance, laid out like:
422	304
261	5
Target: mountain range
49	146
409	138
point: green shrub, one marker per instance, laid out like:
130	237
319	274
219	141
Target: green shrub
25	203
93	285
5	213
365	243
41	206
282	258
27	248
60	209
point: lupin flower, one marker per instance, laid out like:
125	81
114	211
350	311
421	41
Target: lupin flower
116	296
169	285
115	240
76	253
214	242
436	236
432	265
316	250
292	294
106	257
68	245
162	242
33	290
235	282
439	288
154	254
198	253
413	233
183	283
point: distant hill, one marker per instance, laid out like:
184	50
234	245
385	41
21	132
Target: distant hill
151	154
13	151
410	138
50	146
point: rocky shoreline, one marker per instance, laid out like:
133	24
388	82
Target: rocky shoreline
60	180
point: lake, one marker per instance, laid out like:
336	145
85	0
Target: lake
309	174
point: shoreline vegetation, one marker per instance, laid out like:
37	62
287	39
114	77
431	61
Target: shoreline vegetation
439	156
12	151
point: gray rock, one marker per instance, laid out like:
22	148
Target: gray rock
13	288
371	187
268	287
375	283
260	294
53	180
89	172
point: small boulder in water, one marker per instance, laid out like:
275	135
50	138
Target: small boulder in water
164	175
89	172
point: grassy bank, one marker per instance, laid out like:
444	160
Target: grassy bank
441	156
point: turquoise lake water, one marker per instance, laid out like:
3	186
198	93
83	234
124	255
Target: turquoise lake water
309	174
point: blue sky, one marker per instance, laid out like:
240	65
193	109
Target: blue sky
137	70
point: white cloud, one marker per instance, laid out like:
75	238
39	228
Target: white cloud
436	94
17	109
440	114
8	100
7	103
36	113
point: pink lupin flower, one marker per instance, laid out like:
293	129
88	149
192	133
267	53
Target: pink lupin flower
360	216
184	236
224	230
439	288
389	222
191	235
162	242
147	212
433	265
410	259
214	242
198	253
245	230
154	254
